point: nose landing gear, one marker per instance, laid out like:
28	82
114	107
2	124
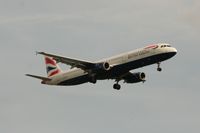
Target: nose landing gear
159	68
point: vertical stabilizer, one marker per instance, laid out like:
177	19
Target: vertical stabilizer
52	66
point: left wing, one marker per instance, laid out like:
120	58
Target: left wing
85	65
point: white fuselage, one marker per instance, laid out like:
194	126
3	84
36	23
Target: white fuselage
125	58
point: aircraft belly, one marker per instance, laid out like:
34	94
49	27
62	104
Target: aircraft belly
75	81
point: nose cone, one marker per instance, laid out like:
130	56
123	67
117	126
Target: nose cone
174	50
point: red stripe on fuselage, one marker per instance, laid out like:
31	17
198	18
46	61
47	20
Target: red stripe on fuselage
151	47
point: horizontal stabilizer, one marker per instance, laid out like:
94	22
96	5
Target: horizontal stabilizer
39	77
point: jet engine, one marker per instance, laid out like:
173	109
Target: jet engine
135	77
103	66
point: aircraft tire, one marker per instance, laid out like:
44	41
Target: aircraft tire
117	86
159	69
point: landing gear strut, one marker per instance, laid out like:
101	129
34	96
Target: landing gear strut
159	68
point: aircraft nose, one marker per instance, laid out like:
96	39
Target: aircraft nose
175	50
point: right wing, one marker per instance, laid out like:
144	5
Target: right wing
85	65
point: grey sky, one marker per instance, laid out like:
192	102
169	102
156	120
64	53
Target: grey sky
91	29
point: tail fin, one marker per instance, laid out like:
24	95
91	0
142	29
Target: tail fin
52	67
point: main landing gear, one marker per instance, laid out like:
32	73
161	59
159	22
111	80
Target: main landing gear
159	68
117	86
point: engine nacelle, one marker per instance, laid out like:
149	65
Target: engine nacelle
135	77
103	66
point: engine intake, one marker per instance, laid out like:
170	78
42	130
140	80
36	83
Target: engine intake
135	77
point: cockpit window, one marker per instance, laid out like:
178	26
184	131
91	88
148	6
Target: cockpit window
163	46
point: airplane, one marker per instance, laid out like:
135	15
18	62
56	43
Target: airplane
116	67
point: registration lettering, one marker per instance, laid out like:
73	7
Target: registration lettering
139	53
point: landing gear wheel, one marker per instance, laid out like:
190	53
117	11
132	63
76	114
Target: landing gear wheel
117	86
159	69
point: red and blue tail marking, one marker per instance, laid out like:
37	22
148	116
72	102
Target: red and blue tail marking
51	66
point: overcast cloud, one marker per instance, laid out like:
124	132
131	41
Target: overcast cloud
91	30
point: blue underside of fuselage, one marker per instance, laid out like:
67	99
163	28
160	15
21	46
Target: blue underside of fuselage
118	70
